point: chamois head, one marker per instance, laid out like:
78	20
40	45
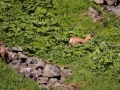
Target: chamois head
88	37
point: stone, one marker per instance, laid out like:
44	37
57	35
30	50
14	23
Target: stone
37	73
22	56
52	81
51	70
65	87
15	63
40	64
29	60
111	2
98	1
93	13
17	49
26	71
42	80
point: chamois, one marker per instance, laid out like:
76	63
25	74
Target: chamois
3	52
76	40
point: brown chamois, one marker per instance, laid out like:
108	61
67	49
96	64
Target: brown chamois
3	52
76	40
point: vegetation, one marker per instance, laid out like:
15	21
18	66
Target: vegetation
43	28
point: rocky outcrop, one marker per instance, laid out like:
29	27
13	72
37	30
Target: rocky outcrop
47	75
111	5
95	15
108	2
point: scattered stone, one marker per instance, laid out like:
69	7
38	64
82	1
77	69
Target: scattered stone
98	1
51	70
42	80
46	74
22	56
66	87
95	15
17	49
111	5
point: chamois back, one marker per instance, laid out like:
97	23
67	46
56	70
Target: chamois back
76	40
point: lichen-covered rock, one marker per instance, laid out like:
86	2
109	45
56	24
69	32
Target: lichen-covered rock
42	80
98	1
51	70
17	49
112	2
93	13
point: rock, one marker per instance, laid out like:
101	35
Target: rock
116	10
40	64
98	19
42	80
29	60
26	71
93	13
111	2
37	73
35	60
17	49
52	81
66	73
22	70
51	70
66	87
98	1
22	56
15	63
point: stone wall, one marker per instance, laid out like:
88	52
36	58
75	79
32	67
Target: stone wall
47	75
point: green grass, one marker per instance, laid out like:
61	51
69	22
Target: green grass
11	80
95	65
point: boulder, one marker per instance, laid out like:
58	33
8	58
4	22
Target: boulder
29	60
40	64
42	80
111	2
66	87
17	49
93	13
22	56
98	1
26	71
51	70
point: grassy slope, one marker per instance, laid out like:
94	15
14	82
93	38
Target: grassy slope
68	14
11	80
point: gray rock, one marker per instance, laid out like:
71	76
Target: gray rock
37	73
26	71
98	19
22	56
51	70
29	60
35	60
15	63
112	2
52	81
98	1
116	10
40	64
17	49
65	87
42	80
93	13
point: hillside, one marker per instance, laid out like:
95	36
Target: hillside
43	28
